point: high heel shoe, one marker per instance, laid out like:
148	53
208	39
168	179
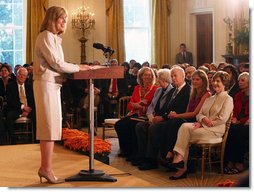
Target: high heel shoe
184	175
50	180
166	161
178	165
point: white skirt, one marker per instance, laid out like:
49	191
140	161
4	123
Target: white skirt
48	110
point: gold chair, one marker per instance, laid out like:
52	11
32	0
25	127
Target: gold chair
70	120
208	144
85	118
24	126
122	111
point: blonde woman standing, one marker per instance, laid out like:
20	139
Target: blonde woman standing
49	67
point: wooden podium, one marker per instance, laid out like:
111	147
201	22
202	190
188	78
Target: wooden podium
99	73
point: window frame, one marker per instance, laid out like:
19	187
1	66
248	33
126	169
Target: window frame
148	28
13	28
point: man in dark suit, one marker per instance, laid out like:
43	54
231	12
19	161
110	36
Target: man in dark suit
184	56
111	91
20	101
157	131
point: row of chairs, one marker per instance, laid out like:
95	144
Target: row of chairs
23	127
122	111
208	146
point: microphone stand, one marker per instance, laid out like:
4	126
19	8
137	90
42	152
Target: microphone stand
91	174
107	55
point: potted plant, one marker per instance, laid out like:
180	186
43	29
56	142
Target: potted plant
79	141
241	39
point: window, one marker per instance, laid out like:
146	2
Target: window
137	30
12	32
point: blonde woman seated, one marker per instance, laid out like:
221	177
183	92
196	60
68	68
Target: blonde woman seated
210	123
140	100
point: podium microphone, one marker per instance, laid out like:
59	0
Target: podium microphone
103	48
98	46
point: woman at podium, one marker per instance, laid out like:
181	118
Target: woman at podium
49	67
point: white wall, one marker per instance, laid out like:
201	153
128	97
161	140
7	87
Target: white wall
182	26
183	23
71	45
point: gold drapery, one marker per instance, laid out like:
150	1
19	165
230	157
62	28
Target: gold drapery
115	28
160	32
35	13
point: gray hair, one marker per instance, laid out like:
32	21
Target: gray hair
244	74
177	68
165	74
22	69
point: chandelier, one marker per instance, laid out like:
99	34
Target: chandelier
83	20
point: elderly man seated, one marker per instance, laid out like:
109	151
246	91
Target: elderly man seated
20	101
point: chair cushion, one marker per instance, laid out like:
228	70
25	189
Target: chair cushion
23	120
208	141
111	121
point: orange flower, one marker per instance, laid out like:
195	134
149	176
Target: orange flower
226	183
79	141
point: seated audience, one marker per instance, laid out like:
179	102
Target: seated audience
238	135
188	74
155	109
20	101
233	76
213	67
131	63
211	121
145	64
210	75
221	66
154	133
154	66
243	67
4	80
14	75
110	93
199	93
165	66
140	100
133	78
204	68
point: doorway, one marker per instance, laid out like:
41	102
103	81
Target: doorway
204	28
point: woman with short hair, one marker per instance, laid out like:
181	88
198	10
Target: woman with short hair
238	135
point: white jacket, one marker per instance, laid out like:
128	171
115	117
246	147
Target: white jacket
49	64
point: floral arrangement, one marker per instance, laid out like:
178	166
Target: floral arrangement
79	141
242	36
226	183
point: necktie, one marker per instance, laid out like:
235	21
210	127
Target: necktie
114	86
22	95
184	57
173	95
